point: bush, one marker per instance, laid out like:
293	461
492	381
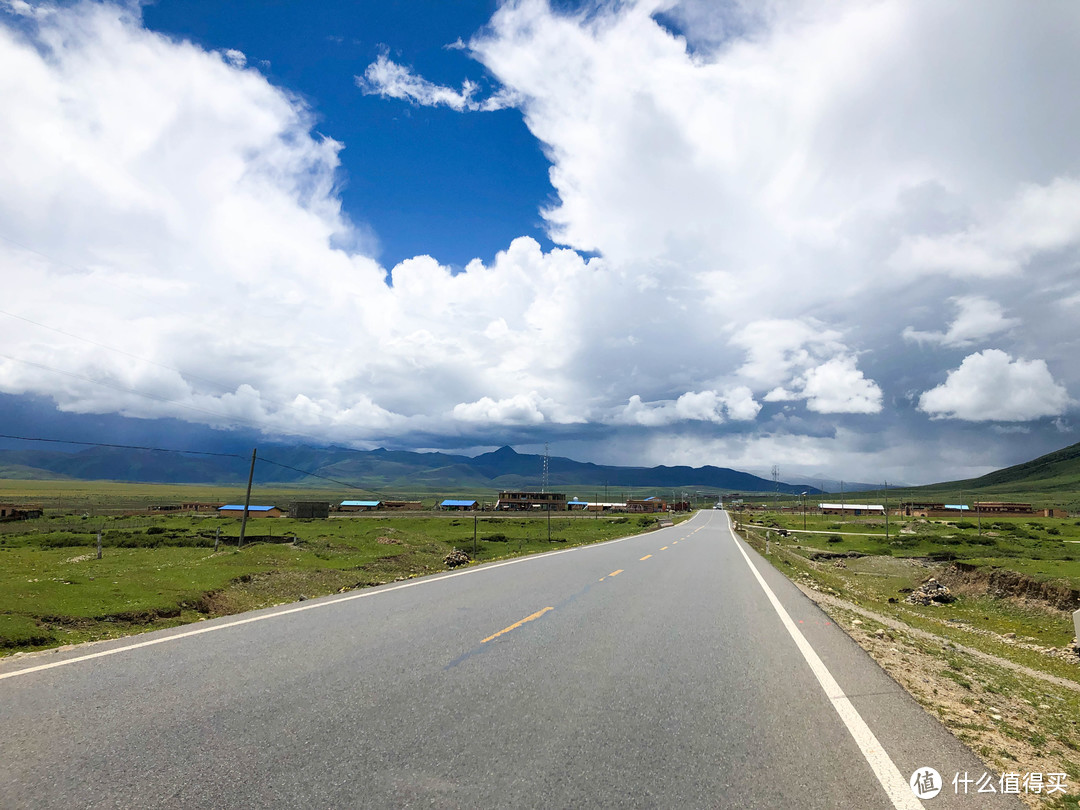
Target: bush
834	538
1054	530
965	524
155	530
495	538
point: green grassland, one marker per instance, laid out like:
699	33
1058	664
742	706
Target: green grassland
160	571
883	569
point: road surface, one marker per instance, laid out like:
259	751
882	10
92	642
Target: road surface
654	671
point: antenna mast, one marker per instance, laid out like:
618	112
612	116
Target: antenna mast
544	485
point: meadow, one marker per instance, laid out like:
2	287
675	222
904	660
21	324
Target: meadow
164	570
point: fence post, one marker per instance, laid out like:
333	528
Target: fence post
217	538
99	544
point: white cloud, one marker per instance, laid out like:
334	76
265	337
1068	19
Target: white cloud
977	319
235	58
784	199
694	406
385	77
836	386
990	386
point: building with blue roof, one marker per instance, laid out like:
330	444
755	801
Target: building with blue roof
451	503
359	506
237	510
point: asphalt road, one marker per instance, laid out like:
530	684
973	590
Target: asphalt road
654	671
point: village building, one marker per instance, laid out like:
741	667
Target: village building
650	504
237	510
20	512
854	509
309	510
452	505
397	506
522	501
359	506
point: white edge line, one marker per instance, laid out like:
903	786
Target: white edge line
893	782
312	606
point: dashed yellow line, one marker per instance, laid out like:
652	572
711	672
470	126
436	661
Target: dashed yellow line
516	625
615	573
645	557
665	548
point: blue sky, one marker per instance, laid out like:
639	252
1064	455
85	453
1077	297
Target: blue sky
837	237
424	180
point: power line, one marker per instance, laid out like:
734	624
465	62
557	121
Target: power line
120	446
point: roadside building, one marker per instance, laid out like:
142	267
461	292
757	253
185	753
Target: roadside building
25	511
399	506
576	504
1004	508
309	510
650	504
452	505
852	509
523	501
237	510
359	506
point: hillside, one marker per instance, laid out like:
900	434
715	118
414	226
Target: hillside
1056	474
395	470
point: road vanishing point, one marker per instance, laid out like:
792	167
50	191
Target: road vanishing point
671	669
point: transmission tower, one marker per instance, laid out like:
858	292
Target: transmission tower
776	486
544	485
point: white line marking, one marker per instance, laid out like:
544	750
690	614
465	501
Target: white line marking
311	606
896	787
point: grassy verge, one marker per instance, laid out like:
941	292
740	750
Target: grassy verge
161	572
958	660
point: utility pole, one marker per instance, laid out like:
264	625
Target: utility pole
247	500
776	487
886	511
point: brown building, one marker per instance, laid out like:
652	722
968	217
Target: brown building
520	501
359	506
650	504
20	512
402	505
1004	508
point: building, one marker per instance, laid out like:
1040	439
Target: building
359	506
309	510
459	505
237	510
20	512
184	507
1004	508
855	509
397	506
650	504
523	501
576	504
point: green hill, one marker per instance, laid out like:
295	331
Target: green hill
1053	479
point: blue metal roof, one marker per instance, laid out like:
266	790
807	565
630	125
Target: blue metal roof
576	502
449	502
361	503
956	506
239	507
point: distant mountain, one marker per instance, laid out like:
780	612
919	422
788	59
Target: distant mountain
375	469
1055	472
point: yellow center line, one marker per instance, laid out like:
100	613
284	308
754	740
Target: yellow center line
515	625
645	557
615	573
665	548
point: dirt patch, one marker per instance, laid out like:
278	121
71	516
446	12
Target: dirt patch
388	541
1001	583
1012	723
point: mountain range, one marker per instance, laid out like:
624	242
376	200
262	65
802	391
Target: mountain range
374	470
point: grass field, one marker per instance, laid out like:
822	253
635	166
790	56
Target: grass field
161	571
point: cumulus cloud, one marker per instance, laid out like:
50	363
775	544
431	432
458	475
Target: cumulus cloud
694	406
771	207
977	319
836	386
990	386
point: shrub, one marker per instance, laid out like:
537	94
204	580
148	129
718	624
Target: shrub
834	538
495	538
155	530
